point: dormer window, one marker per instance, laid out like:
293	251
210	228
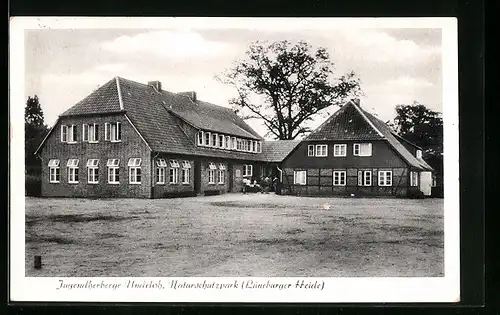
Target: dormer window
419	154
200	138
207	139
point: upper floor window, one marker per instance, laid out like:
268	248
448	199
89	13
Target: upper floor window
419	154
113	132
339	149
222	140
259	147
207	139
73	171
311	150
299	177
200	137
233	143
385	178
228	142
54	171
68	133
362	149
90	133
321	150
215	140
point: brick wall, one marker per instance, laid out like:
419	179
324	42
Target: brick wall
131	146
167	189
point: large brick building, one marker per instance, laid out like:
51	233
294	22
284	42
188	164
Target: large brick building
128	139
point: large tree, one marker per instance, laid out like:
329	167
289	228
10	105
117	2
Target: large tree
424	127
286	85
34	131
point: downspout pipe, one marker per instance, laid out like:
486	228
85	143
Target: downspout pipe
153	175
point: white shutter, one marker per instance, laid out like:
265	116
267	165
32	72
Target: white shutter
85	132
118	131
106	132
64	133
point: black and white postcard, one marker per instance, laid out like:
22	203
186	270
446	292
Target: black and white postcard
234	160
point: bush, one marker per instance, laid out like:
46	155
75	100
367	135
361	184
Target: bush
212	192
33	185
181	194
415	194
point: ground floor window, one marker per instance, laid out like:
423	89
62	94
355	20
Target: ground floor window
247	170
113	171
364	178
211	176
54	171
93	175
135	172
173	175
413	178
220	176
185	175
338	178
299	177
160	175
385	178
72	171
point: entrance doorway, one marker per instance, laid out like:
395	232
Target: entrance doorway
197	176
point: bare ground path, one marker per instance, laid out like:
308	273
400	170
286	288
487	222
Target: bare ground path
235	235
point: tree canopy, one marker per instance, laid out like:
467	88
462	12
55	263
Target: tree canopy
424	127
34	131
286	85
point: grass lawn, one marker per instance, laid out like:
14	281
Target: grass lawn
235	235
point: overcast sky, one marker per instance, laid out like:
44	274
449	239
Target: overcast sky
396	66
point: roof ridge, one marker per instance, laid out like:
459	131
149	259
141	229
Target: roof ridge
362	112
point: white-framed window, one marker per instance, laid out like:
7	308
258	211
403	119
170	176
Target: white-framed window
419	154
64	133
321	150
185	175
222	141
160	170
134	170
239	144
339	149
160	175
174	163
93	171
364	178
211	176
207	138
299	177
215	140
233	143
200	138
68	133
113	131
228	142
113	166
220	176
310	150
161	162
54	171
385	178
173	175
339	178
247	169
90	133
212	166
259	147
186	164
362	149
413	178
73	171
222	166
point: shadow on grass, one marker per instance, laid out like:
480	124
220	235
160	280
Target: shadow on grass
50	239
245	204
76	218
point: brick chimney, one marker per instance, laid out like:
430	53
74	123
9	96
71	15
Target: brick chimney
155	84
190	94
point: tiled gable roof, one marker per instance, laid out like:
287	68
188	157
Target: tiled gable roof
277	151
103	100
347	123
393	140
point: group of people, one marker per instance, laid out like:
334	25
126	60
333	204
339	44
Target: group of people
264	186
